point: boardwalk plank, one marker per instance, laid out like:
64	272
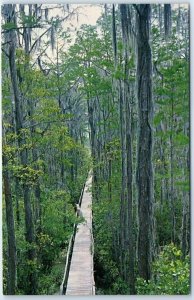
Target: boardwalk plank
81	278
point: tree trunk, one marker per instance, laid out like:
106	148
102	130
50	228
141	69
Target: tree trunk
127	155
114	34
172	196
144	163
167	19
93	146
31	286
11	280
184	245
123	205
130	224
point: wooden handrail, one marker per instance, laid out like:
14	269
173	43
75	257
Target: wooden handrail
63	285
92	238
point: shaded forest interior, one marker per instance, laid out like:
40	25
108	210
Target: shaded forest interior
112	98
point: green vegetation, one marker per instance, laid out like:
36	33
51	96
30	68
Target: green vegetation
171	274
114	100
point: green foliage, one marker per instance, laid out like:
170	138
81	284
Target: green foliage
9	26
56	209
106	224
29	21
49	283
54	135
171	274
27	175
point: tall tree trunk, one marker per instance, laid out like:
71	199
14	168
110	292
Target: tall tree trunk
160	17
29	235
172	196
144	163
185	213
130	225
30	109
123	205
11	276
37	189
127	158
167	19
122	128
114	34
93	145
17	195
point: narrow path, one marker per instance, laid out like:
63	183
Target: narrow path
81	277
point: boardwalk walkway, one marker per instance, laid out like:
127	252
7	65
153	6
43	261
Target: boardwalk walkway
81	279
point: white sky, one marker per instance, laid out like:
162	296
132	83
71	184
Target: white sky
89	13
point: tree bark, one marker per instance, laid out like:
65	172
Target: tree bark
130	224
145	142
167	19
11	280
93	146
184	244
172	191
126	141
29	235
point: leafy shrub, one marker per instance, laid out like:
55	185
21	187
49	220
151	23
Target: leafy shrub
171	274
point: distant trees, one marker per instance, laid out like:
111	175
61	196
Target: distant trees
41	154
18	117
117	101
144	202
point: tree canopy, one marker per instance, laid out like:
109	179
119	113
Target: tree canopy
113	99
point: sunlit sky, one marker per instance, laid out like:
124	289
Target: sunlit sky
86	14
89	13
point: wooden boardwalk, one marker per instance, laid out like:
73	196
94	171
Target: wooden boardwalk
81	276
